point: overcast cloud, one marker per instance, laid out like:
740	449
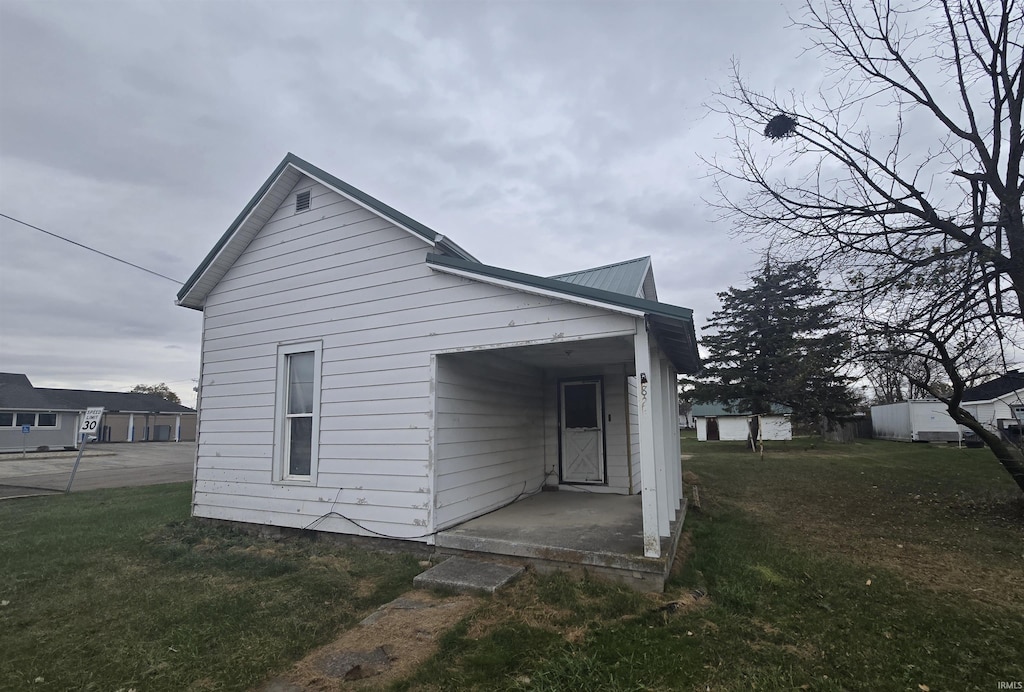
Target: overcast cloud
543	137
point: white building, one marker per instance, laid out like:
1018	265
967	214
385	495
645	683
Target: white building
363	374
719	421
918	420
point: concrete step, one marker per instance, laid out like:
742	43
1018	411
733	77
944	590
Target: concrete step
464	575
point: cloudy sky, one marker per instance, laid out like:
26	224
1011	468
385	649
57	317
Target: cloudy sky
543	137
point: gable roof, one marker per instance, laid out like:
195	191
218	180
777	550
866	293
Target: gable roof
993	389
671	325
621	277
263	205
16	392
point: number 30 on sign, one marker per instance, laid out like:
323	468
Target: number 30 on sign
91	422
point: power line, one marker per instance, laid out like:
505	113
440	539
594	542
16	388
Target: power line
90	249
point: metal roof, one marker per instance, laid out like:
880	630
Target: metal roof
622	277
671	325
17	393
263	205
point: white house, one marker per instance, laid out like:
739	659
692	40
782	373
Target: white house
365	375
718	421
998	403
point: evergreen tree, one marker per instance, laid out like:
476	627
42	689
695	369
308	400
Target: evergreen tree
777	342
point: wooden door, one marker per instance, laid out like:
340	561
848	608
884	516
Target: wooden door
582	432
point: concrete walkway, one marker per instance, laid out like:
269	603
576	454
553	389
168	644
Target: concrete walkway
103	466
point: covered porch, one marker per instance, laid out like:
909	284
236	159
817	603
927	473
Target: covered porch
593	419
601	534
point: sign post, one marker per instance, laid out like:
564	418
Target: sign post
90	424
25	430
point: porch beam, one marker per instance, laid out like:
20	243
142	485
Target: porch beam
645	420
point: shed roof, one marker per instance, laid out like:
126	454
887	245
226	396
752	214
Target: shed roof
671	325
621	277
993	389
17	393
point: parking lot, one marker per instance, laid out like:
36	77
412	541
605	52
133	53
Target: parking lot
102	466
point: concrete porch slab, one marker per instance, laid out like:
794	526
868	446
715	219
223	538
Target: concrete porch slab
569	530
463	575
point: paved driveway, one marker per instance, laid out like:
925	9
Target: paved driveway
103	466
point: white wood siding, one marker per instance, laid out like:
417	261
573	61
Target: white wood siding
634	431
340	274
489	434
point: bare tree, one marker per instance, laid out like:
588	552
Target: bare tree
916	212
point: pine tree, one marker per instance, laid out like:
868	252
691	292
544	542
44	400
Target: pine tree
777	342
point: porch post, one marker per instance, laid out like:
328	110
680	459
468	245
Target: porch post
658	401
672	430
677	449
645	420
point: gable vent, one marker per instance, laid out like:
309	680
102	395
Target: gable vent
302	201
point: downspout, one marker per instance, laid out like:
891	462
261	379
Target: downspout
629	424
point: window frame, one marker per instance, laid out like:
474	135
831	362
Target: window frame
18	419
282	427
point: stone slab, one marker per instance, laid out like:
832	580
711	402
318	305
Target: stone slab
463	575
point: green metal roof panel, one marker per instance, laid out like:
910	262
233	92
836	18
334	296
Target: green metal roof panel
622	277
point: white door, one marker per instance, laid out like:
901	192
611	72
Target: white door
582	432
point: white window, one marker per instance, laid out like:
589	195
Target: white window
297	422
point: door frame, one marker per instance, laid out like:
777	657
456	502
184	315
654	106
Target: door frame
599	380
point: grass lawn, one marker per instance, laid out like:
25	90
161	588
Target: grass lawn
872	566
118	589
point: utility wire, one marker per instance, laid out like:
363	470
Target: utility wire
90	249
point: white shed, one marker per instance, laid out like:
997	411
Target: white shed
363	374
718	421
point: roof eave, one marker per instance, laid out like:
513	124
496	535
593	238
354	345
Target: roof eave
672	325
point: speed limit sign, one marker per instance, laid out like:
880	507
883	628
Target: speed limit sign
91	421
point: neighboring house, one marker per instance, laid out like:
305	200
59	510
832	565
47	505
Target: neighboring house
53	416
726	421
997	404
918	420
365	375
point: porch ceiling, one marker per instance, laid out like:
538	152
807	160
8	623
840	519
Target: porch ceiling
572	354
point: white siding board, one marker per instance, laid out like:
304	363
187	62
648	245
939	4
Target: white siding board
313	508
375	242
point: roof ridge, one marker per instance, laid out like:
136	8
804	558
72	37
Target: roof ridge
603	266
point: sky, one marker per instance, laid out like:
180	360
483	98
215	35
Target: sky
543	137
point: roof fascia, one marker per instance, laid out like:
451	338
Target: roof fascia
228	234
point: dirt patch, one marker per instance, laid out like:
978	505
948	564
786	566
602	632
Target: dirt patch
382	649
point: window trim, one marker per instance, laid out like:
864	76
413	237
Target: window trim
281	417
